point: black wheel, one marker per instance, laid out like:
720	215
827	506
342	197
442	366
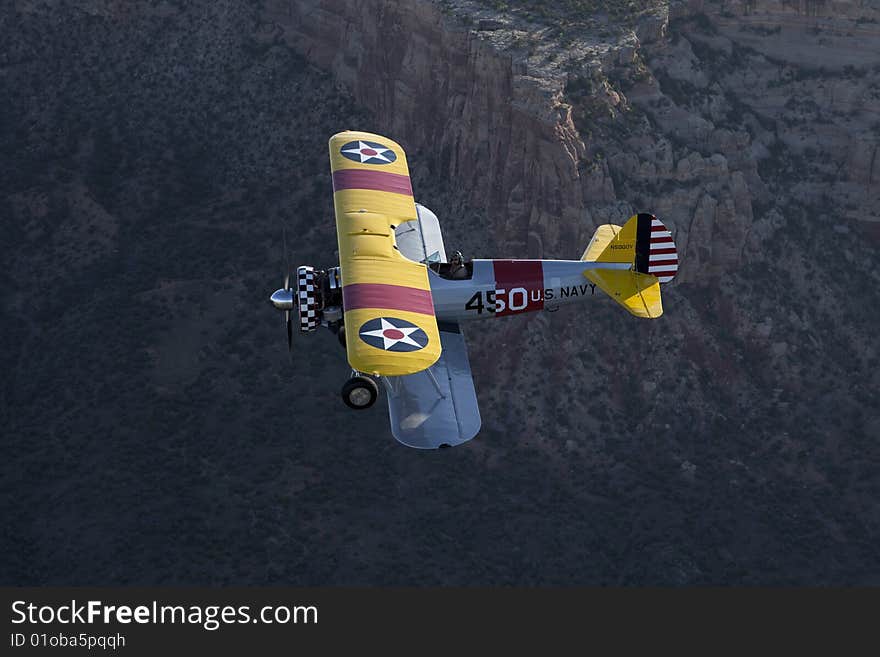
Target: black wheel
360	392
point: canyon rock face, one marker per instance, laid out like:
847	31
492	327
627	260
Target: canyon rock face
463	98
493	106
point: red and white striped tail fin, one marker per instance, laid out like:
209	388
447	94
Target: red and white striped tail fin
662	254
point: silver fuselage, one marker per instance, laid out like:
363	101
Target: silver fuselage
500	288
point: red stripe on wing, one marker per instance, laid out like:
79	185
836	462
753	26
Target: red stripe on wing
381	181
389	297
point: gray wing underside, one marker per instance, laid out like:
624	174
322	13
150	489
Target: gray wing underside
437	407
421	240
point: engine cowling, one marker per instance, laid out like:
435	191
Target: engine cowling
318	297
308	299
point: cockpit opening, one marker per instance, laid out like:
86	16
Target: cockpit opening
457	269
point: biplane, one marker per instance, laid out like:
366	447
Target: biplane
397	304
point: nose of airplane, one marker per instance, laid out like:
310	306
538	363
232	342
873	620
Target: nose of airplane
282	299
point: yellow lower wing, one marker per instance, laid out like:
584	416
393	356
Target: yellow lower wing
390	328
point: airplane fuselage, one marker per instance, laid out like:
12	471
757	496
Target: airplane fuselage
500	288
396	305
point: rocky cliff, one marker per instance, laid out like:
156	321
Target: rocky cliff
473	111
503	95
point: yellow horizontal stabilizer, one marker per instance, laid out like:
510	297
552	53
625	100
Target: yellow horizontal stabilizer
638	293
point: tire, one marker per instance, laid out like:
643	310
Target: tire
360	392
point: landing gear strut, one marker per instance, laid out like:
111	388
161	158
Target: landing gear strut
360	392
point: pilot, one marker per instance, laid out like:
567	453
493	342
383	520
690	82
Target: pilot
457	270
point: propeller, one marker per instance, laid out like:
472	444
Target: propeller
283	299
287	318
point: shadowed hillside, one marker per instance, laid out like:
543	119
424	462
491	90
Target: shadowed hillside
155	432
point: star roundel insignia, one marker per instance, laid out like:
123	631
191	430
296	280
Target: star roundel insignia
368	152
392	334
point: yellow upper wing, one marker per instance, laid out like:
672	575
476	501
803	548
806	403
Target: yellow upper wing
390	328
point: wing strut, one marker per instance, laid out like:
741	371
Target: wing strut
436	384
